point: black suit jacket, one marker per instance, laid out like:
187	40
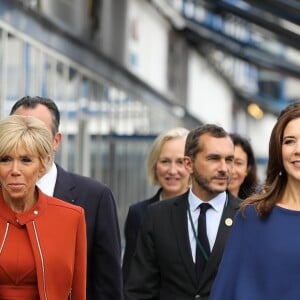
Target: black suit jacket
162	267
135	216
104	276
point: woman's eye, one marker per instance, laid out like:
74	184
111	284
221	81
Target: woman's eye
26	159
289	141
164	161
4	159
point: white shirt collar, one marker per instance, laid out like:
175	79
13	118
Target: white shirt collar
47	182
217	203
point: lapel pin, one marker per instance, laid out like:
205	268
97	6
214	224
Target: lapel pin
228	222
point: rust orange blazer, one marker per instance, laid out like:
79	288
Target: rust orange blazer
57	234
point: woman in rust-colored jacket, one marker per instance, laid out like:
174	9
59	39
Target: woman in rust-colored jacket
56	231
42	239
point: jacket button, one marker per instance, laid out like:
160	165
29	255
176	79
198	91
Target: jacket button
35	212
197	297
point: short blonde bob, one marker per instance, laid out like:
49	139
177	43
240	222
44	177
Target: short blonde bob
154	153
29	132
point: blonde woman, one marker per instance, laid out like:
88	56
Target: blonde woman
165	168
42	239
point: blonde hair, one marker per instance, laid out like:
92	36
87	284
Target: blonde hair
153	156
29	132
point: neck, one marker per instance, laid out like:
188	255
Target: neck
234	192
291	197
21	205
165	195
205	195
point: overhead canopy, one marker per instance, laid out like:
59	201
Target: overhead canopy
269	40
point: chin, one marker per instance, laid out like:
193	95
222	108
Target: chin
220	189
232	188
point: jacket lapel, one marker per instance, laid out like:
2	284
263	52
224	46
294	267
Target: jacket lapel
229	212
64	186
180	225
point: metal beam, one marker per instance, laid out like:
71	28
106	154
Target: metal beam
253	16
286	9
198	33
37	27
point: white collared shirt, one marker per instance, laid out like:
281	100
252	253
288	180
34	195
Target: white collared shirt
47	182
213	217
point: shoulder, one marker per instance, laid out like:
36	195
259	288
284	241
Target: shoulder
88	181
170	203
235	202
248	214
136	213
63	206
160	215
85	183
145	203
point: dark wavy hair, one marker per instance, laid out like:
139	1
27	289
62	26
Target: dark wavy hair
250	183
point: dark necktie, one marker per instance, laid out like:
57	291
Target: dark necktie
202	237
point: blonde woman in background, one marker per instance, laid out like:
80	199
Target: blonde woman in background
165	168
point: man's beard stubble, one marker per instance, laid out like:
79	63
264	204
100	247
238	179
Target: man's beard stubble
204	183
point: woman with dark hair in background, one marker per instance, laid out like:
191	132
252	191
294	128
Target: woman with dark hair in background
244	181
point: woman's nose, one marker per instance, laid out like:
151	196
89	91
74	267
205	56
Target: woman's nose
173	168
15	167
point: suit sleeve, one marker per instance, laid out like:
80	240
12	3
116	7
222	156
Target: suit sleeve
80	264
130	232
144	275
108	283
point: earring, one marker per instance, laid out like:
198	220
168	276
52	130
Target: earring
280	173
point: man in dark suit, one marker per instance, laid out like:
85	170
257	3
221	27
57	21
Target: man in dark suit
104	276
165	264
